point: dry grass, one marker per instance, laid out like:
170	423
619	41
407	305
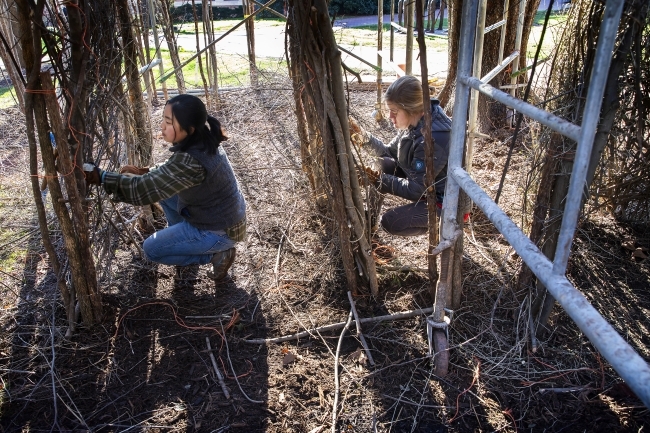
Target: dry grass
144	369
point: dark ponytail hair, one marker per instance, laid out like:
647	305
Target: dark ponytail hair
191	114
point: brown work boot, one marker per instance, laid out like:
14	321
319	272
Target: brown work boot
221	263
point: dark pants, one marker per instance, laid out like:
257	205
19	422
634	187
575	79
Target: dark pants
411	219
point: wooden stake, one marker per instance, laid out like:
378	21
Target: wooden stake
334	326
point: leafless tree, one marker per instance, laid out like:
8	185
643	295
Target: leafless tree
321	109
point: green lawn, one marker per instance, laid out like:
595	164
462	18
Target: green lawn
554	30
7	97
555	18
233	69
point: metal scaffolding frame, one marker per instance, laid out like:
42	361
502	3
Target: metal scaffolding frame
623	358
513	58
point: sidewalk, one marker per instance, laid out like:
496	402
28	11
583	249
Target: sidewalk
369	20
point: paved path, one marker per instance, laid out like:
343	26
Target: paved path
367	20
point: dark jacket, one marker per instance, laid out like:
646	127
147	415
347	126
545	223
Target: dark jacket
217	203
408	150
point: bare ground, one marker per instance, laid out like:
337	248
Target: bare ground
147	366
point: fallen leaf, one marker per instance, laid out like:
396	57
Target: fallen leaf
317	429
359	356
629	244
288	358
639	254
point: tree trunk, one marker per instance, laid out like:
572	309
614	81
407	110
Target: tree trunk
208	28
76	94
12	29
138	29
315	65
453	39
168	30
40	98
145	24
11	54
544	301
81	262
154	29
249	9
198	49
400	12
409	15
492	115
143	138
432	261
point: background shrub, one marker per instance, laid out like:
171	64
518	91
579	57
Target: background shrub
357	7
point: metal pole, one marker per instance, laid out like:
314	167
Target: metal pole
457	138
604	49
632	368
500	67
461	97
554	122
476	72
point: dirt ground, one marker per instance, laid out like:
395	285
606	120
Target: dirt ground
148	366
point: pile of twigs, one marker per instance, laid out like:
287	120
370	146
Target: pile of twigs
620	177
315	67
627	188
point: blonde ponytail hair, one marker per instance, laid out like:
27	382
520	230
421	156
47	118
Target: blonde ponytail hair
406	92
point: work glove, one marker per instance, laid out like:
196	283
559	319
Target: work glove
92	174
358	135
368	176
132	169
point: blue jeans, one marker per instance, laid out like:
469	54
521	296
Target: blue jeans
181	243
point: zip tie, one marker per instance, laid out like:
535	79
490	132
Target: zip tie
444	325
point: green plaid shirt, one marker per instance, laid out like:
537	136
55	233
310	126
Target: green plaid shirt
179	172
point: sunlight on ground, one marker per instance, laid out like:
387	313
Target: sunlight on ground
554	30
7	97
225	25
